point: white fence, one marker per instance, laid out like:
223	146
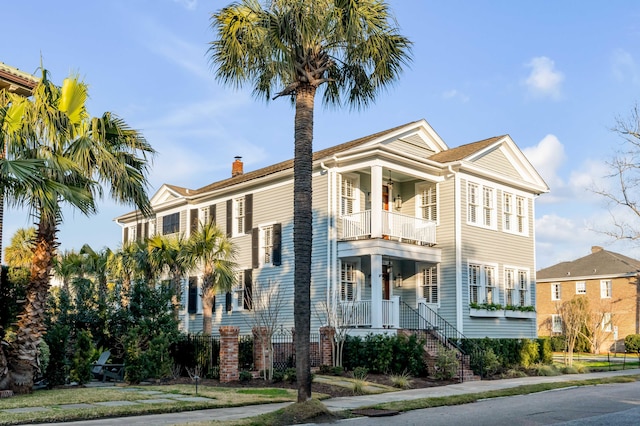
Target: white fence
395	225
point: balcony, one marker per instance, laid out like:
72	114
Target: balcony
359	313
395	226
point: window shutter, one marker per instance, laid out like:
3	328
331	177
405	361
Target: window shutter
139	231
248	213
213	306
194	221
145	232
125	238
229	218
255	248
192	304
212	213
228	305
277	244
248	289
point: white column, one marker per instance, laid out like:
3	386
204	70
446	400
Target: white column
376	291
376	201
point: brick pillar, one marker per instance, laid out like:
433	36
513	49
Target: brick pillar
261	353
229	358
326	345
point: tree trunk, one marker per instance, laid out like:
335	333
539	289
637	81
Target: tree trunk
302	235
207	307
22	361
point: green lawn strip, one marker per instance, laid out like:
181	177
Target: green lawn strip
518	390
54	399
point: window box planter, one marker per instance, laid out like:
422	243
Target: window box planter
486	313
519	314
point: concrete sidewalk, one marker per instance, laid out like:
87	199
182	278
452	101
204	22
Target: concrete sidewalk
349	403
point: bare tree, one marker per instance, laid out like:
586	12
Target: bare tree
599	325
575	316
266	305
339	316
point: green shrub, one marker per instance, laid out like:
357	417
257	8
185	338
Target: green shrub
569	370
290	375
358	387
360	373
558	343
245	352
529	353
158	359
485	362
44	356
337	370
278	376
446	364
82	358
545	354
383	354
632	343
546	370
214	373
402	381
325	369
245	376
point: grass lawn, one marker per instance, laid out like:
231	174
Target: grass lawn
54	401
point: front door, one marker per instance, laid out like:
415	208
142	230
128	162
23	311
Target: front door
386	285
385	208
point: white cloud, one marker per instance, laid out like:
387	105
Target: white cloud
624	67
455	94
547	157
544	81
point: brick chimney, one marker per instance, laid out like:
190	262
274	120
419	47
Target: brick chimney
595	249
236	167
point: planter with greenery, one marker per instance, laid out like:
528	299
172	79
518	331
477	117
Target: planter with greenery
486	310
522	312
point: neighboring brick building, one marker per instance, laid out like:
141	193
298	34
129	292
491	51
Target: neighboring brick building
611	283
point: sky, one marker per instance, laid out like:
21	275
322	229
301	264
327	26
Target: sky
555	76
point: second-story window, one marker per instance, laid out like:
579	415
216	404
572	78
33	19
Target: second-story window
171	224
428	203
347	195
267	245
238	215
472	201
555	291
487	206
348	282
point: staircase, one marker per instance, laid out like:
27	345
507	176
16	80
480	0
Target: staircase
437	333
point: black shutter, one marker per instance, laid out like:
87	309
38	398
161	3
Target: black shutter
277	244
213	306
146	230
248	289
255	247
139	231
125	238
192	304
194	221
212	213
228	305
248	213
229	218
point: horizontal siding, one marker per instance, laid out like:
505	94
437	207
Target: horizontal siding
496	161
415	146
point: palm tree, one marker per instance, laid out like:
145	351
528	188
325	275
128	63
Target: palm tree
75	156
211	251
68	266
351	48
20	250
168	253
96	265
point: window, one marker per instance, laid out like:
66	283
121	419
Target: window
472	200
514	211
556	323
348	195
481	197
192	295
348	282
509	286
237	292
204	215
238	216
429	284
605	289
555	291
523	288
606	322
581	287
267	245
428	203
171	224
482	284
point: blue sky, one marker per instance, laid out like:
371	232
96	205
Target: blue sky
553	75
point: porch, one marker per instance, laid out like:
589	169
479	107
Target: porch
356	314
392	225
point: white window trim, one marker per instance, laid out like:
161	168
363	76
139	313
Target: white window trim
261	245
581	287
420	281
482	285
513	214
203	217
356	192
236	217
357	277
553	292
237	292
419	188
607	325
606	290
480	205
556	319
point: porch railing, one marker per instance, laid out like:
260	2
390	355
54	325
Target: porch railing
356	313
394	225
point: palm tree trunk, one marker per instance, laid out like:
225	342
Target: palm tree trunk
207	315
31	321
302	235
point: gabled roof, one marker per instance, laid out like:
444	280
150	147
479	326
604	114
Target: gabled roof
464	151
599	263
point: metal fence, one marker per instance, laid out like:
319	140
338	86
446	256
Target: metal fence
196	353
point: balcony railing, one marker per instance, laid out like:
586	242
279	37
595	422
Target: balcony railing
394	225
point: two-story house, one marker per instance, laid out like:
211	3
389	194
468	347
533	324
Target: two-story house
609	281
402	225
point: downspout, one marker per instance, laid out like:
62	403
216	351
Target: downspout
458	247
